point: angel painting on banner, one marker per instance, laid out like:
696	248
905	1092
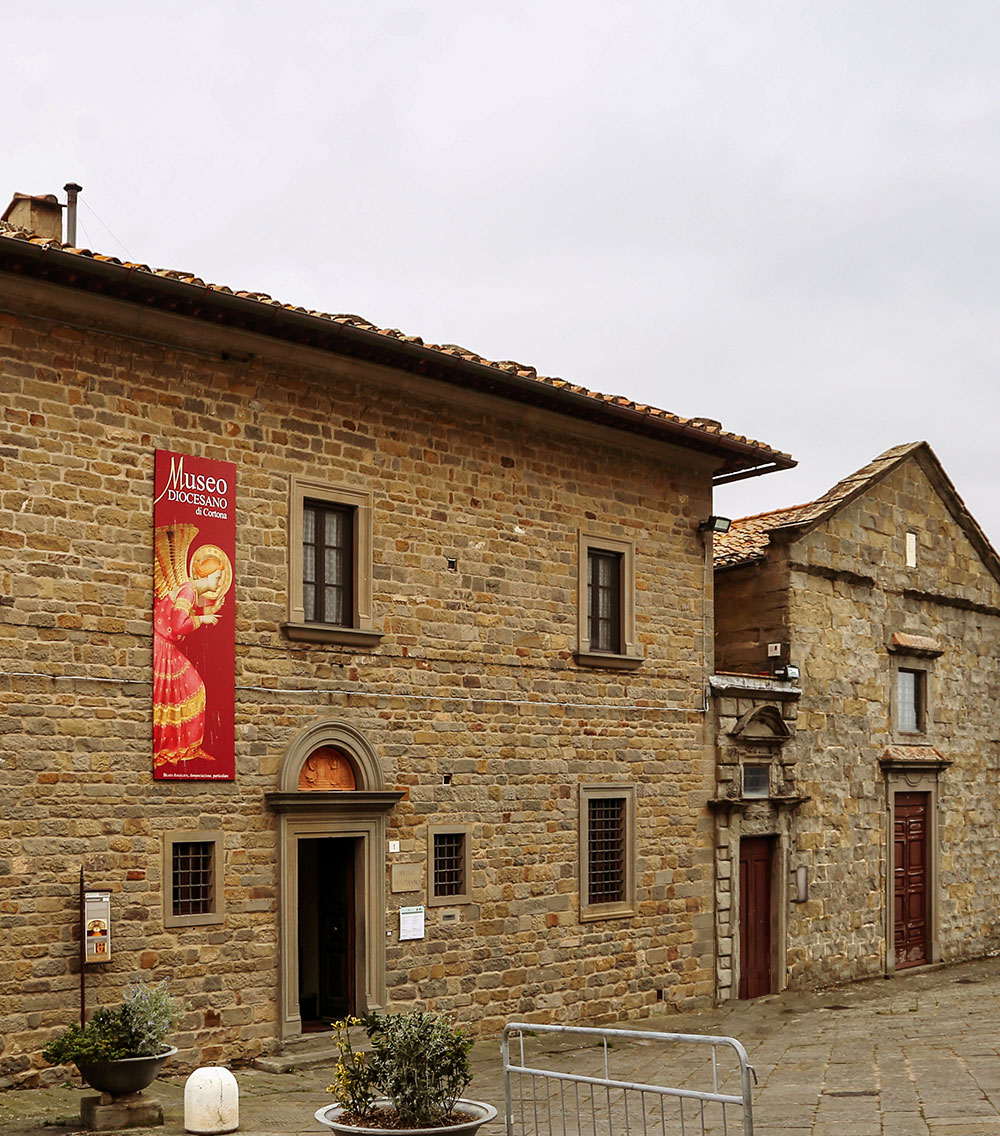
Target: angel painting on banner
189	594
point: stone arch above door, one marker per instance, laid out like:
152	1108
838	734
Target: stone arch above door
338	736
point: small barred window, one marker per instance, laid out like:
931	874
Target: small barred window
193	877
606	849
449	863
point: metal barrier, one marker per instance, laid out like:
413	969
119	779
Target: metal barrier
583	1098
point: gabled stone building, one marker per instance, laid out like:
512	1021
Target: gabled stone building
476	783
857	803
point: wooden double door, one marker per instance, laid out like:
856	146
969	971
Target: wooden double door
911	890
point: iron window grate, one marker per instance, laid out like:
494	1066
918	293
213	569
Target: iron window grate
606	844
449	863
193	877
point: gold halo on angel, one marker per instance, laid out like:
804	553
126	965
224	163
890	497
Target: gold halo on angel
206	560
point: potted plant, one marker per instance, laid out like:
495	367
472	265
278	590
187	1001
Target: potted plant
411	1079
121	1051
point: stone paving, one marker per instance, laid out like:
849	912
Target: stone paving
915	1056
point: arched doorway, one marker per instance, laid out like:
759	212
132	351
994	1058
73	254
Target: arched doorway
331	803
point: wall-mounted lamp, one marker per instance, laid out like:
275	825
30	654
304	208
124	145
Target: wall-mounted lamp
789	672
715	524
801	884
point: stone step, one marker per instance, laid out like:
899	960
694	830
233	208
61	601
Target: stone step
305	1052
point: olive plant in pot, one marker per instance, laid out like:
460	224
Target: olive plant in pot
410	1080
121	1051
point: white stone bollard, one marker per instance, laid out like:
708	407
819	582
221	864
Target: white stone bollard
211	1101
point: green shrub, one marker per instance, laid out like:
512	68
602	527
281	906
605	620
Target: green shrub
138	1028
419	1061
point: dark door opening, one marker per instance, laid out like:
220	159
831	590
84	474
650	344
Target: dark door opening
755	916
326	930
910	893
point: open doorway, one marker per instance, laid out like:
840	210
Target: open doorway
327	930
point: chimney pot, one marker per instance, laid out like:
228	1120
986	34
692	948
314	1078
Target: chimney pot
40	215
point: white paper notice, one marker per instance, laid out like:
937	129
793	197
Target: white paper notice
411	923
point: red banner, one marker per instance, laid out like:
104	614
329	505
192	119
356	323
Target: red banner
194	623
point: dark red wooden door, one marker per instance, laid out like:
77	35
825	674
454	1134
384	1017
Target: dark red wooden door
910	879
755	916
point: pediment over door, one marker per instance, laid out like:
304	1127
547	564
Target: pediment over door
762	724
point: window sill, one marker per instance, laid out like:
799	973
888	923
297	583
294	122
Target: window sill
448	900
593	913
207	919
330	633
608	661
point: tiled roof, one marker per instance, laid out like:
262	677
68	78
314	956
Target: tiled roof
749	537
708	431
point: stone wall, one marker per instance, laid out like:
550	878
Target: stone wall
843	628
850	590
472	701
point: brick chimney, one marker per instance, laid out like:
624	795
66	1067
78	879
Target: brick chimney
39	215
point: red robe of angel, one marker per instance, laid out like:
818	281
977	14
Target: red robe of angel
178	689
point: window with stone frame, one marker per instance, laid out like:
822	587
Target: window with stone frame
192	879
606	614
448	868
607	851
330	565
911	689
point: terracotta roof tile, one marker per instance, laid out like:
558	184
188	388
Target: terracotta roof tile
707	427
748	538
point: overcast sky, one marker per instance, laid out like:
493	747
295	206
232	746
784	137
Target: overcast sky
782	215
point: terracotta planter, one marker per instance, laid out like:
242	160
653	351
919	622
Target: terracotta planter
479	1112
125	1076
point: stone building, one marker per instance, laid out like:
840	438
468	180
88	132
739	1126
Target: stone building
857	805
501	730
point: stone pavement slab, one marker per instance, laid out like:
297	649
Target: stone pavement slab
918	1055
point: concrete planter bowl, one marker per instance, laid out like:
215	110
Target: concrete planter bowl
126	1076
479	1114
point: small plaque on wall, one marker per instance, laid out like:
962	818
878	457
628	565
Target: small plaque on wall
407	877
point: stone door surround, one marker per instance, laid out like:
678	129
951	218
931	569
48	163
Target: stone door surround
309	814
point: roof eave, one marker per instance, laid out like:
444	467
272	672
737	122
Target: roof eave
134	284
